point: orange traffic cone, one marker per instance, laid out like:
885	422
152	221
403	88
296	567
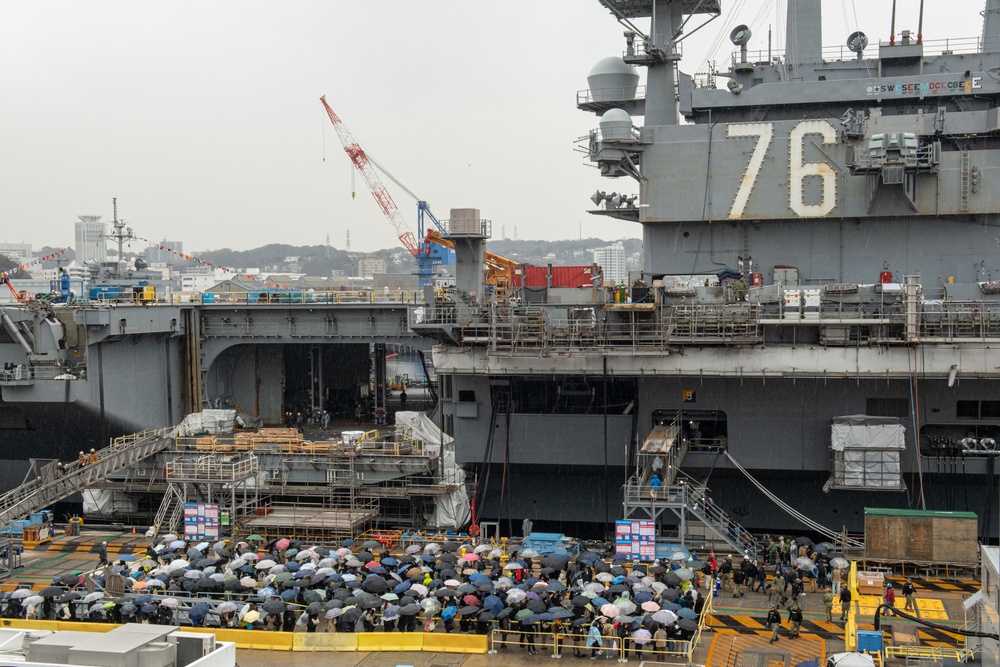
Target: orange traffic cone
133	530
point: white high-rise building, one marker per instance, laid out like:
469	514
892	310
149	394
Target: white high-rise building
90	240
611	259
16	252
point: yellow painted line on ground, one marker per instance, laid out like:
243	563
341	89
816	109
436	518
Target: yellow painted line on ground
930	604
829	627
748	622
934	615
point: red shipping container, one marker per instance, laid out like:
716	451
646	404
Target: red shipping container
562	276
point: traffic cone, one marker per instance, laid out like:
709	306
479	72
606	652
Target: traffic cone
133	530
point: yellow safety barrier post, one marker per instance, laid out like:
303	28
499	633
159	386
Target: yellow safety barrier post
851	626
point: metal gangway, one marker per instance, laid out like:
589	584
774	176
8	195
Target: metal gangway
51	486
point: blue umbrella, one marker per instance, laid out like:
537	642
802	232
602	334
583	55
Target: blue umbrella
493	603
267	592
643	596
143	599
477	576
292	566
448	613
199	611
532	581
126	557
402	587
531	619
303	573
686	613
289	595
556	586
390	562
599	602
377	569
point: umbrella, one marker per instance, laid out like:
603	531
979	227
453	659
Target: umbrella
274	607
251	616
605	577
33	600
671	579
684	574
375	584
804	563
610	610
169	603
839	562
410	610
52	592
226	606
821	548
687	624
68	580
265	564
282	544
650	606
641	636
803	540
664	616
471	558
513	565
20	593
254	538
685	612
528	553
197	612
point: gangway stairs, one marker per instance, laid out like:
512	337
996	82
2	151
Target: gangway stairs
49	487
171	511
689	501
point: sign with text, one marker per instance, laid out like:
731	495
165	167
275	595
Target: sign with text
635	539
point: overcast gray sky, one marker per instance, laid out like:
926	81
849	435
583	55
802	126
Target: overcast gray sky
203	118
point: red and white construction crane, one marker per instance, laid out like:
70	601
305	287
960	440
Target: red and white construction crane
424	252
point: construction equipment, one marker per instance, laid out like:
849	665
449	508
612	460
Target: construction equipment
499	270
20	297
426	254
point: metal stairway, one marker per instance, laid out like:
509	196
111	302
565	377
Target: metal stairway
688	500
171	511
49	488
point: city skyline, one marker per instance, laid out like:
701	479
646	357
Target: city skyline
211	129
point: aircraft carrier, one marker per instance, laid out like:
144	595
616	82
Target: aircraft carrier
815	328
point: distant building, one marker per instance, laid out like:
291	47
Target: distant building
90	239
155	255
611	259
16	252
369	266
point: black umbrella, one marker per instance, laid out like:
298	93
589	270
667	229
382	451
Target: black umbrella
671	579
409	610
618	571
334	604
375	585
69	597
444	593
485	616
803	540
351	616
580	600
601	566
314	608
450	546
371	604
52	592
687	624
657	569
208	584
552	562
448	558
68	580
465	589
618	588
537	606
469	610
199	611
365	556
274	607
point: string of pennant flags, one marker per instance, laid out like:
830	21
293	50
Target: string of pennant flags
196	260
37	260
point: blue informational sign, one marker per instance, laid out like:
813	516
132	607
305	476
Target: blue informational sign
635	539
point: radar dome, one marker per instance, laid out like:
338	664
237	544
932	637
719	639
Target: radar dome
616	125
612	79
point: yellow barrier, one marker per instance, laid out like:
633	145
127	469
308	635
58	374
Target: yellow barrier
266	640
390	641
851	626
324	641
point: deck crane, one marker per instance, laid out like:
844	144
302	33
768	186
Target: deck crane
427	254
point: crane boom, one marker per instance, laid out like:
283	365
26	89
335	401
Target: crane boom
364	166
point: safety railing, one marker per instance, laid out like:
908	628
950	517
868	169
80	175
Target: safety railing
932	653
375	445
212	469
559	643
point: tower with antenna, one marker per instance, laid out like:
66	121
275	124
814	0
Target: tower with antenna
120	234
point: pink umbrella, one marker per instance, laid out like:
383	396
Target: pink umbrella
372	563
610	610
650	606
471	600
469	558
282	544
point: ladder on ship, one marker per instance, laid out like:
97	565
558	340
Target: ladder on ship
689	501
49	487
171	511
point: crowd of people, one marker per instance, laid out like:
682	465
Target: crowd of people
589	602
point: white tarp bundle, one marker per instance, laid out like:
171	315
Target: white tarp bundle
101	503
213	422
866	452
454	510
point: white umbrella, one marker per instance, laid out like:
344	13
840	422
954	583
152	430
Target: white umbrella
605	577
496	553
684	574
32	600
515	596
20	593
169	538
413	549
805	563
840	562
266	564
202	546
169	603
513	566
624	605
249	556
482	548
248	582
664	616
94	597
432	548
528	553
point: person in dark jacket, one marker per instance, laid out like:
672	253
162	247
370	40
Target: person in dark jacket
774	623
845	602
794	621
